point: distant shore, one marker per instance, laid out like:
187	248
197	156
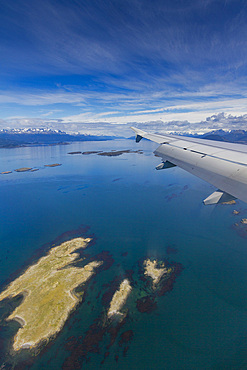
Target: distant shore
10	140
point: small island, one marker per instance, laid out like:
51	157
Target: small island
53	165
23	169
119	298
48	293
116	153
151	270
92	152
230	202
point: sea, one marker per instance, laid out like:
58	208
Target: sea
133	212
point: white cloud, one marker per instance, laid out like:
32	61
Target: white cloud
39	98
214	122
192	112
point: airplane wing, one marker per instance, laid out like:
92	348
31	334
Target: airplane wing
223	165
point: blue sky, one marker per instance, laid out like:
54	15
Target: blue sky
94	65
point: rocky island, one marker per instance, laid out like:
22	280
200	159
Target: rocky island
119	298
116	153
53	165
78	152
23	169
92	152
151	270
230	202
48	293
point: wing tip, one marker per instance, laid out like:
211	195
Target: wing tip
137	132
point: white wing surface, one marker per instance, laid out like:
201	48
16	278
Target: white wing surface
223	165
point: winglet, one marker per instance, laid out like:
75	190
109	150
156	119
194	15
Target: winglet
218	197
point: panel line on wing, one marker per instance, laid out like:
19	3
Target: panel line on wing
221	164
203	154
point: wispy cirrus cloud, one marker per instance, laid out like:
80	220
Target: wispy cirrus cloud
127	36
123	61
94	104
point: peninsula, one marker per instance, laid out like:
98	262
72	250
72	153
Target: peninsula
119	298
48	293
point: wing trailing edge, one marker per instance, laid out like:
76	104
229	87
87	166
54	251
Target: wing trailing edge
218	197
223	165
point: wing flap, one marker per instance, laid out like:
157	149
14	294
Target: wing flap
218	197
228	176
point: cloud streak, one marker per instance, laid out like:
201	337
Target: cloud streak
123	61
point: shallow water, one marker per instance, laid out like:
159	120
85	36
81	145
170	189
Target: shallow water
130	207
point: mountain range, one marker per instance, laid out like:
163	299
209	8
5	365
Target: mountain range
233	136
34	136
13	138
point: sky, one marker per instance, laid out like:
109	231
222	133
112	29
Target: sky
102	66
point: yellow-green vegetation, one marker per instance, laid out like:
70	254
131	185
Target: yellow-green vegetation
151	269
119	298
48	290
230	202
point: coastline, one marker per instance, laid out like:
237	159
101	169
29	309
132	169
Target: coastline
45	307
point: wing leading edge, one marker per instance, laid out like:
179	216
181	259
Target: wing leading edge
223	165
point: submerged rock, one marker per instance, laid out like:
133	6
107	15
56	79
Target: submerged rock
146	304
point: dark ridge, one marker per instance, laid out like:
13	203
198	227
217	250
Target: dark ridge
214	137
234	136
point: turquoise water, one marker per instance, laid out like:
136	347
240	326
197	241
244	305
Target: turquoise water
130	207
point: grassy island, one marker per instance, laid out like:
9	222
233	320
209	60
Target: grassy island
48	290
119	298
154	272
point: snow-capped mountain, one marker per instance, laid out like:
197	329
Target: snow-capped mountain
42	136
31	131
